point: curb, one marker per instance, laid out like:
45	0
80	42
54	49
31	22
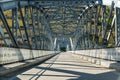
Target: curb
17	68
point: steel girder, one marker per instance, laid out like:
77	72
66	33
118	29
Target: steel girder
16	30
5	23
104	25
28	24
117	25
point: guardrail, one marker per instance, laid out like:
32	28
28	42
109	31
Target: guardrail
109	57
112	54
10	55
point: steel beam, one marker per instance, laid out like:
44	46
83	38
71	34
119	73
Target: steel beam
24	25
2	16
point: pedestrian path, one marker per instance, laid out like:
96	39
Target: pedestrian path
67	66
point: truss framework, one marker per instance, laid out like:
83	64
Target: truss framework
38	24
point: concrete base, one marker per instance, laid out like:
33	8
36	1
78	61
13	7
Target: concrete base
24	64
94	60
104	63
115	66
98	61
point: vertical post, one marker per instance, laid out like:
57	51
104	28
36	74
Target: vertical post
2	16
103	20
38	21
71	42
15	24
106	25
116	35
24	25
68	48
55	43
34	26
117	26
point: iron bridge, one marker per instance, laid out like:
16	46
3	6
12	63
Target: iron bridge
51	24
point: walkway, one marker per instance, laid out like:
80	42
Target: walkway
67	66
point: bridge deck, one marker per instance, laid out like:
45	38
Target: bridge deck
67	66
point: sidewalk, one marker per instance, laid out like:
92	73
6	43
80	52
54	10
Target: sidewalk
67	66
18	66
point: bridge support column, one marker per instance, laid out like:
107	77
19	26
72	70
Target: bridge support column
117	26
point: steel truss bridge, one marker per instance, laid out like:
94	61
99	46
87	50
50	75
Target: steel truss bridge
53	24
46	24
33	29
